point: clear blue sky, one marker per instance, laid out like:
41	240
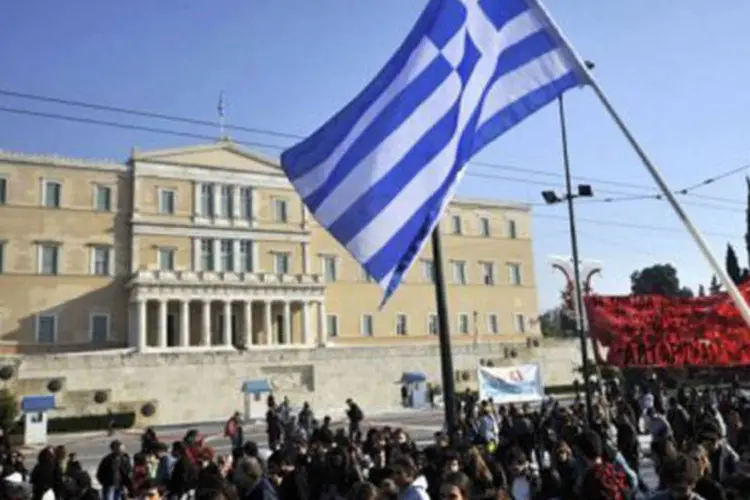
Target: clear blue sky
676	71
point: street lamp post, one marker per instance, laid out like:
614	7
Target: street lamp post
550	197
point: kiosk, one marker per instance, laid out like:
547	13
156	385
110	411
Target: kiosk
255	392
35	410
416	385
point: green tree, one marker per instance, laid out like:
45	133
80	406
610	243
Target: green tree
733	266
715	286
659	279
551	323
8	410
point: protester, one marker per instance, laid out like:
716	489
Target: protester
700	451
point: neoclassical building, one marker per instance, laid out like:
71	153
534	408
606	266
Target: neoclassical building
209	247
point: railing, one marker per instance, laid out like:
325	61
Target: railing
147	276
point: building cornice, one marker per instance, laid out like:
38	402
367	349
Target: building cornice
41	160
211	173
148	229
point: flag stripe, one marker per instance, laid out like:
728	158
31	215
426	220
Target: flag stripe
377	197
382	141
512	114
511	87
321	144
313	175
385	158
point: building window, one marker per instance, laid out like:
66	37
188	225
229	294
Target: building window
329	267
207	200
166	201
428	271
3	190
51	193
401	324
367	325
2	257
227	255
207	255
280	210
463	323
103	198
459	272
519	323
226	205
488	273
99	328
246	256
246	203
333	325
514	274
484	227
101	260
165	259
281	263
492	324
432	324
46	328
49	254
456	224
512	229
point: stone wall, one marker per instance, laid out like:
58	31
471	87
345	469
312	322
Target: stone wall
205	386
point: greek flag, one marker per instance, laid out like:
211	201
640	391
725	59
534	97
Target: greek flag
379	174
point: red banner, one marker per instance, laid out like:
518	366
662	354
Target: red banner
652	330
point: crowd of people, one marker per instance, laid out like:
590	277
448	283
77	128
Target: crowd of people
699	449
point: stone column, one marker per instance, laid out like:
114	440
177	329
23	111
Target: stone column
185	323
197	199
267	322
305	258
217	255
235	203
237	265
206	319
162	338
227	323
322	325
142	334
196	244
249	323
216	190
287	331
305	323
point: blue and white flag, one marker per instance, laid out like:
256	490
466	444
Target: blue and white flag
379	174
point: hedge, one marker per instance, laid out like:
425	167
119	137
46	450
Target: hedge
88	423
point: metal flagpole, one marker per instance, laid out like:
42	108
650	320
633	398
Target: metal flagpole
446	358
580	327
222	110
729	285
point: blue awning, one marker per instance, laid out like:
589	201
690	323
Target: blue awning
33	404
413	377
256	386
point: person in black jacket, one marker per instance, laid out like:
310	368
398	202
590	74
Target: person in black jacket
184	475
113	473
355	415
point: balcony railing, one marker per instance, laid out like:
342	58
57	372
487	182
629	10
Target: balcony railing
155	277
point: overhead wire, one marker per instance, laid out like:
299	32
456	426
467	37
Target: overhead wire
622	196
286	135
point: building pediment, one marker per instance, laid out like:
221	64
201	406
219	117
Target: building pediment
224	155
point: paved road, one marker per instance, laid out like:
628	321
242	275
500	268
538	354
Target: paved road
419	424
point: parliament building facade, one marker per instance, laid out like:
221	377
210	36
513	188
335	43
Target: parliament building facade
209	248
